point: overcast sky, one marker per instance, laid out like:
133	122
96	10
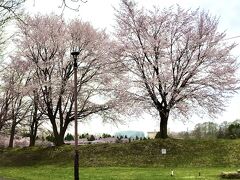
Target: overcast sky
101	15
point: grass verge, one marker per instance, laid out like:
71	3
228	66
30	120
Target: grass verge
52	172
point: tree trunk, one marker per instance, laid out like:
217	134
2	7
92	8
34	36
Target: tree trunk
59	137
35	120
164	114
1	125
59	140
33	133
12	135
32	140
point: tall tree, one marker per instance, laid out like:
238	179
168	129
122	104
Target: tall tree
9	9
15	79
45	42
177	60
206	130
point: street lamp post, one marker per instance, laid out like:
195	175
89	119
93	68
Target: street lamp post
76	158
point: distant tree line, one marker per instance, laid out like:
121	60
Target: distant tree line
211	130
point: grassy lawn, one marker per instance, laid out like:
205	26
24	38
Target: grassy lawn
51	172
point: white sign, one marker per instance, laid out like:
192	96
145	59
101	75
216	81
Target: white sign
164	151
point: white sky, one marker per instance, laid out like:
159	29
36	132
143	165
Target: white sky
101	14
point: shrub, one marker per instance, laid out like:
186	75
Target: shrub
119	137
69	137
106	135
92	138
86	135
158	136
82	136
50	138
234	130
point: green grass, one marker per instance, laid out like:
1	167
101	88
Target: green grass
135	160
180	153
66	172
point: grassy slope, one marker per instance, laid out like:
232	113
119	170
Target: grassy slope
136	160
180	153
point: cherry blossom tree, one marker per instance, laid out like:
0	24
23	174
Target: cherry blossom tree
177	59
46	42
14	80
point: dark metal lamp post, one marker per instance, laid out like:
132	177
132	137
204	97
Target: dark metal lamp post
75	54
